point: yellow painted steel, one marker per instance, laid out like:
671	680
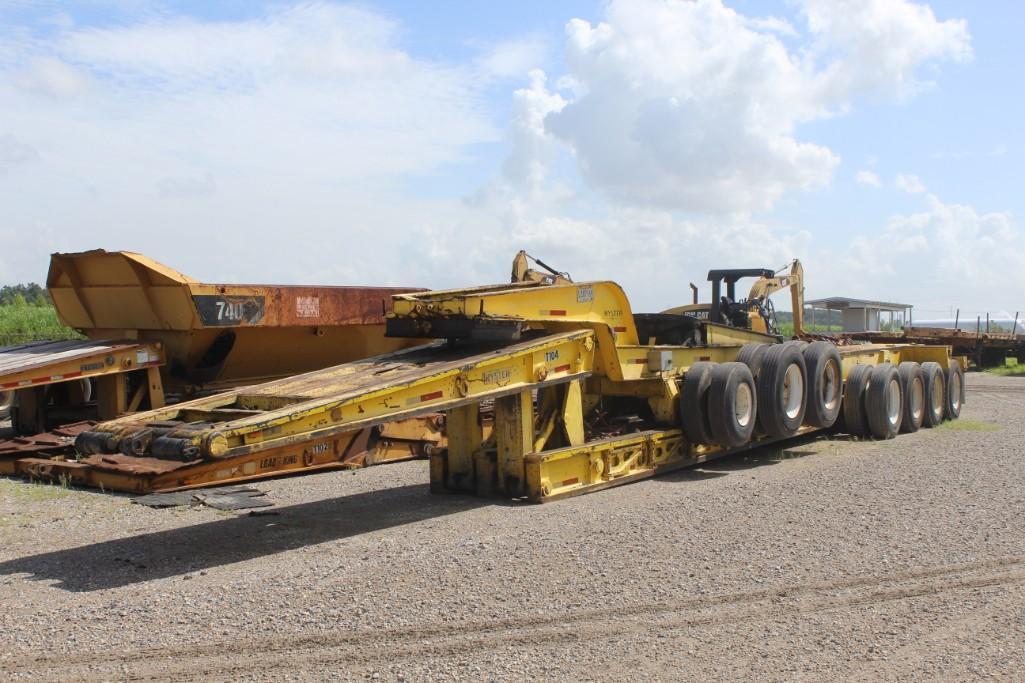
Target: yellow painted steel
353	396
43	363
624	368
587	352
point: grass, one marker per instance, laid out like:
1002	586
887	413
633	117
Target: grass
22	323
1010	368
969	426
787	329
15	491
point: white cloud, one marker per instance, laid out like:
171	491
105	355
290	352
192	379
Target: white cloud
691	105
290	148
51	76
773	25
213	145
944	256
868	178
878	46
513	58
909	183
526	167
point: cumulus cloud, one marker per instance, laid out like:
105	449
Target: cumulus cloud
878	46
527	164
945	255
292	146
692	105
868	178
911	184
513	58
285	133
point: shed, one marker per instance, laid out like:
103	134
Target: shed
862	315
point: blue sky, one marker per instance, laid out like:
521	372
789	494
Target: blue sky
423	143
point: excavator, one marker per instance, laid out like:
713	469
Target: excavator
756	312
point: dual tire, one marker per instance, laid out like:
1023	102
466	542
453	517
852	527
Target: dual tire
881	401
719	404
781	369
779	387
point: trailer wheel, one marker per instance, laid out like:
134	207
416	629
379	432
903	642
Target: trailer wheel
694	403
799	343
732	404
854	417
884	403
752	355
782	384
912	386
825	384
955	390
6	400
934	384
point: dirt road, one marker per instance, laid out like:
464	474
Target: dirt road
829	559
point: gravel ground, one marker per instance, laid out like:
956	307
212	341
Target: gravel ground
830	559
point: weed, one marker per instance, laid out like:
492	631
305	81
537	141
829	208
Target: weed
970	426
21	323
1010	368
29	491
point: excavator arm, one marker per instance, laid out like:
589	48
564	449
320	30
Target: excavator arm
765	287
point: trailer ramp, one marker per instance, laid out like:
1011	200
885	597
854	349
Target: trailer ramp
316	419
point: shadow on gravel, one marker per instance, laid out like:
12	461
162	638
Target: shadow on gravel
750	458
158	555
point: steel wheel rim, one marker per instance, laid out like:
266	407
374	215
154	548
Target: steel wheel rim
793	391
955	390
830	386
893	401
743	405
937	397
916	399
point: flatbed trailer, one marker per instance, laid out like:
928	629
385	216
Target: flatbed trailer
985	349
125	373
580	403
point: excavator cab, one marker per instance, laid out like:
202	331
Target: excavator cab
756	312
756	315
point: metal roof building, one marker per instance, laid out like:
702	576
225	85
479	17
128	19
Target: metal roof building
862	315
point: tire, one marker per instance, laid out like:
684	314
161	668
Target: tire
752	355
732	404
694	403
854	417
912	387
6	400
935	385
825	384
782	384
955	390
799	343
884	404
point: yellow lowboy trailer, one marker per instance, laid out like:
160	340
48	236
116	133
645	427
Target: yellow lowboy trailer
586	394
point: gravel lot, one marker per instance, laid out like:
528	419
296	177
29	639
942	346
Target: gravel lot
893	560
